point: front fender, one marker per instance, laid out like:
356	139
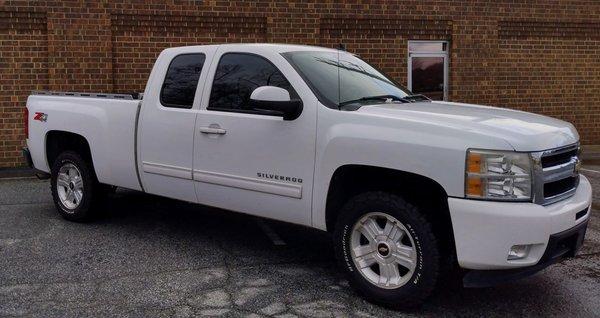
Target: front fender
435	152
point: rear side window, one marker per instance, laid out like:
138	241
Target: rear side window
179	88
238	75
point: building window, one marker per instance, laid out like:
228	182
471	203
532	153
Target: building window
428	68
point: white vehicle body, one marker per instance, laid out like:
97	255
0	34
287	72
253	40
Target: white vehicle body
247	162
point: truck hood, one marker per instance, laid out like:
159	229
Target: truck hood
523	131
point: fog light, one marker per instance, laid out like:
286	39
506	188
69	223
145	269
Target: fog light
518	252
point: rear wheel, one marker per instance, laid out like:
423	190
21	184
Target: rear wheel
387	249
76	192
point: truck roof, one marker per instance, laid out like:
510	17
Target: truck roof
280	48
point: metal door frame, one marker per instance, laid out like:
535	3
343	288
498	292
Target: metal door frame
442	54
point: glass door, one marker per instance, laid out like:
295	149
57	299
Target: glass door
428	68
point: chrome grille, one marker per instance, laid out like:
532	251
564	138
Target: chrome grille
556	174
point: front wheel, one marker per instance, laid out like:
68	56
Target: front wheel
75	190
387	249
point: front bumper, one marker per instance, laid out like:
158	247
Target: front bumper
484	231
560	246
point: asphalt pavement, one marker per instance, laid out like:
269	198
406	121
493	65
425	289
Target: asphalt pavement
154	257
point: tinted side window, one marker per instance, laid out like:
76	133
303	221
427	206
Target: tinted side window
179	87
238	75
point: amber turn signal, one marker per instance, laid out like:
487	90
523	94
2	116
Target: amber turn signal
474	162
474	187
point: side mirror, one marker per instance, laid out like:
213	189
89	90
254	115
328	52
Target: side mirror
277	101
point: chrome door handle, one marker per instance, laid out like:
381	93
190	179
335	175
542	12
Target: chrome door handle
214	130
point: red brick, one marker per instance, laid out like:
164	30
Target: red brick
533	55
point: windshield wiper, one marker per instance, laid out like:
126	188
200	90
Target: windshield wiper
377	97
416	97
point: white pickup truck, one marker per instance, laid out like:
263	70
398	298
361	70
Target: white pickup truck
408	187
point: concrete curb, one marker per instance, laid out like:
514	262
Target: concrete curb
590	152
19	172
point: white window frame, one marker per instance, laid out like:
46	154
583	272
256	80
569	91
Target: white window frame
442	54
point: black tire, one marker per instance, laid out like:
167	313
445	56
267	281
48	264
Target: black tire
93	196
422	281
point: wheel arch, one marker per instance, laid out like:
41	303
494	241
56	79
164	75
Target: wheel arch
427	194
58	141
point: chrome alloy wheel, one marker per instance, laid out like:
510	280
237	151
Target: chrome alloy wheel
383	250
69	186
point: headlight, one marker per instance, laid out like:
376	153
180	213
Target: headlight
498	175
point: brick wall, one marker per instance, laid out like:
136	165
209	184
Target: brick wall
537	55
138	38
23	68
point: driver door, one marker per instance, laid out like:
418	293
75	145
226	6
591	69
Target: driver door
247	161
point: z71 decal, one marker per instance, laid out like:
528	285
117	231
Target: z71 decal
40	116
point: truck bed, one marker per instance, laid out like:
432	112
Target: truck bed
107	121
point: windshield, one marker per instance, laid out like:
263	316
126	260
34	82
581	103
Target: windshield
339	78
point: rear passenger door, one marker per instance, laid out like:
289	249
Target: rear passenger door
245	160
166	122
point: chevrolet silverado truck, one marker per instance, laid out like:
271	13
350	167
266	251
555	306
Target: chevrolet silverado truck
408	187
